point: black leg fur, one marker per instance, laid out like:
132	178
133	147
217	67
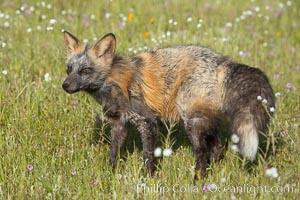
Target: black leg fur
197	135
118	135
149	133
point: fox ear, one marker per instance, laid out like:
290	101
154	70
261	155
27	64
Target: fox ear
105	48
71	42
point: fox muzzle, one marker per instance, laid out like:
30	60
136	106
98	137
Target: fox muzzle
72	84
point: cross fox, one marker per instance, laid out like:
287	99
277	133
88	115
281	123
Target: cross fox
189	84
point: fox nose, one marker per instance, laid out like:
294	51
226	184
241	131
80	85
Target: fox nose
65	85
70	86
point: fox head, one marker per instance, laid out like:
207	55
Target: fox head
88	66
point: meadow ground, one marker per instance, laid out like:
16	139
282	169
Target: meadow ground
48	139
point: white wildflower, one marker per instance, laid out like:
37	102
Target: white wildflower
92	17
47	77
189	19
267	17
259	98
234	148
158	152
107	15
49	28
52	21
119	176
281	5
228	25
5	72
167	152
232	197
213	186
272	109
248	12
235	138
272	172
6	24
265	101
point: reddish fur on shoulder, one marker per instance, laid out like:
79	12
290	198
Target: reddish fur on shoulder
121	74
171	111
152	84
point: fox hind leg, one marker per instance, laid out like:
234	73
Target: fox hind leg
215	145
196	134
200	122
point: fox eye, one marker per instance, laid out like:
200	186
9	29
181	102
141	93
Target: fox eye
69	69
87	70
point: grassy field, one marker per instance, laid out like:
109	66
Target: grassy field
49	141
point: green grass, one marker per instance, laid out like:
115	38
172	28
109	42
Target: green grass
43	127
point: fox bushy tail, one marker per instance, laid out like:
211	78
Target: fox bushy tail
245	87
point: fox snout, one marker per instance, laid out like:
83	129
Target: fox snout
72	84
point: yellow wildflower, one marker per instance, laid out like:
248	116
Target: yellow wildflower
146	35
151	20
130	17
278	34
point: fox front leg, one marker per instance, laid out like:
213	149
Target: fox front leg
118	135
148	129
